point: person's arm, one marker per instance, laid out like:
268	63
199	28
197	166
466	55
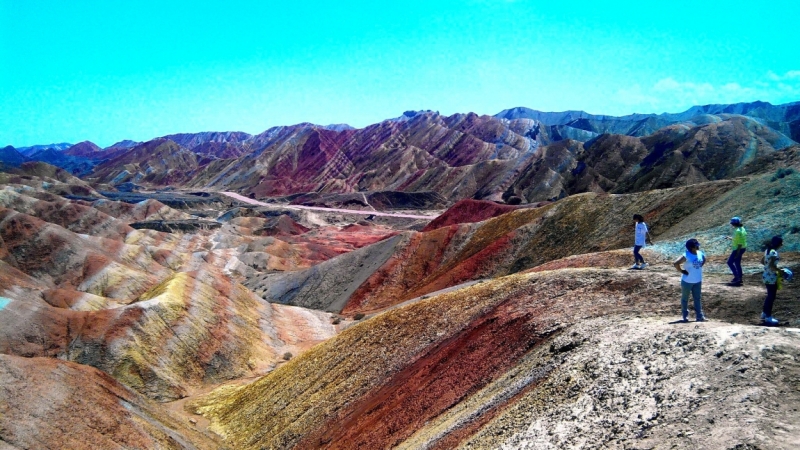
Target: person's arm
773	264
677	265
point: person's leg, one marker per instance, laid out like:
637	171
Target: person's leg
685	289
636	255
698	307
772	291
732	264
738	264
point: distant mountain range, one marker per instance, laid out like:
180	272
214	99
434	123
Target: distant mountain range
28	151
11	157
519	152
570	124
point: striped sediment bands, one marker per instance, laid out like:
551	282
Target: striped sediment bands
522	239
125	305
428	152
191	329
74	217
60	257
377	383
388	273
187	331
156	310
145	210
50	403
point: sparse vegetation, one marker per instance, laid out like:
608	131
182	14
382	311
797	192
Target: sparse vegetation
337	320
287	356
782	173
358	316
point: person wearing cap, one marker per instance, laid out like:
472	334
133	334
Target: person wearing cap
739	244
770	278
691	279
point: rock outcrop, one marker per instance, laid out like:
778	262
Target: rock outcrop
49	403
498	325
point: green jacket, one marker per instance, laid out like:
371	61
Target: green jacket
739	238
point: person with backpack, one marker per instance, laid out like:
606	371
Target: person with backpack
771	277
641	237
739	244
691	279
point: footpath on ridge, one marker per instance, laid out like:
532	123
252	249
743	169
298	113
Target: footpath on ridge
319	208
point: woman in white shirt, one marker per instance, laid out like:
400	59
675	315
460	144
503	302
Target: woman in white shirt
692	278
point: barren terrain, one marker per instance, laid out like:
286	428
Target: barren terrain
192	318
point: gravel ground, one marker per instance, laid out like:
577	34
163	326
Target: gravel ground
644	383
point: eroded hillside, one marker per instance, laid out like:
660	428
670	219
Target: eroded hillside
494	326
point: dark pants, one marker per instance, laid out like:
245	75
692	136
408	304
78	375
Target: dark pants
735	263
772	291
636	256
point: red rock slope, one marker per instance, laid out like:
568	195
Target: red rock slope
438	372
49	403
158	311
468	211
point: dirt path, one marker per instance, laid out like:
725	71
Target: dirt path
319	208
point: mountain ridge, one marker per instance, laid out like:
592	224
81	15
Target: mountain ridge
763	110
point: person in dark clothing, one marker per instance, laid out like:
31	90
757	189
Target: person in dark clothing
739	244
770	278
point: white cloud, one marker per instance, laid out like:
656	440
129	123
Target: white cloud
635	96
789	75
793	74
671	95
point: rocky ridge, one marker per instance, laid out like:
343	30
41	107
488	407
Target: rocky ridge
495	326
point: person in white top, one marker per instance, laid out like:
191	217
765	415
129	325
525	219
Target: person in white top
692	279
641	237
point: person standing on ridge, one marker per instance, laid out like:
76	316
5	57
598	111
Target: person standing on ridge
641	237
739	244
770	278
692	279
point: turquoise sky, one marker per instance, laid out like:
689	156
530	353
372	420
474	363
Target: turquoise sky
95	70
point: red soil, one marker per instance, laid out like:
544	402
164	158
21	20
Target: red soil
436	382
49	403
62	298
467	211
393	282
282	226
420	268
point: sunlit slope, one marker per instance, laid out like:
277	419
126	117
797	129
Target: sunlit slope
377	383
49	403
155	310
418	263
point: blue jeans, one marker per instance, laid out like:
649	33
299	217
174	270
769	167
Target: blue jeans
772	292
694	288
636	256
735	263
